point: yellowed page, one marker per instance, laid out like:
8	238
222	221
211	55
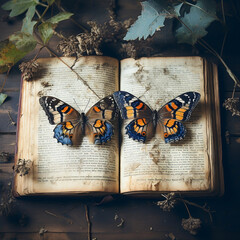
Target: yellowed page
156	166
57	167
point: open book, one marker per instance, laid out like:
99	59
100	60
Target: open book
192	166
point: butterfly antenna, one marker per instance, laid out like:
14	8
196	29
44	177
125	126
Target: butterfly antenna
77	104
144	96
86	105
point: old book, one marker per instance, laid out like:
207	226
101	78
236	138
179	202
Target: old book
191	166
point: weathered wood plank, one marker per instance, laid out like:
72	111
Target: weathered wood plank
142	218
77	236
7	143
8	112
13	80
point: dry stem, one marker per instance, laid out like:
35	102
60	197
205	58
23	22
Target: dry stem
196	205
61	217
88	221
5	79
79	77
204	44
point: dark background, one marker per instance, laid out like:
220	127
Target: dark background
143	219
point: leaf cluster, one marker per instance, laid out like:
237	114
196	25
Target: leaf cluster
24	41
194	19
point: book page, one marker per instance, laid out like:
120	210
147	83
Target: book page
156	166
57	167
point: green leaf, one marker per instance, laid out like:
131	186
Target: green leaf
18	7
23	41
47	28
152	18
14	49
3	96
60	17
197	20
9	55
46	31
28	24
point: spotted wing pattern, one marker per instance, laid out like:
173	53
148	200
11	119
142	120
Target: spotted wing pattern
168	119
131	107
69	121
71	125
176	111
173	130
99	128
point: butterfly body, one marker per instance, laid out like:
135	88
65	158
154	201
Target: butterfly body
167	119
72	125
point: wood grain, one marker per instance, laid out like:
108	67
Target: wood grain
64	217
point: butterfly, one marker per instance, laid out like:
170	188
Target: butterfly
167	120
71	124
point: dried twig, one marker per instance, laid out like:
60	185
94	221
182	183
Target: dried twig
79	77
88	221
5	79
71	19
121	223
207	210
58	216
204	44
12	123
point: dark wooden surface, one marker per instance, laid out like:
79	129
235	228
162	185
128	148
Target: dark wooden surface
64	217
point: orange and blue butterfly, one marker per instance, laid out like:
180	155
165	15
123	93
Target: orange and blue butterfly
167	120
71	125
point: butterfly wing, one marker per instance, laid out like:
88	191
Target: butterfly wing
68	133
181	107
68	120
173	130
174	112
131	107
99	128
57	110
140	129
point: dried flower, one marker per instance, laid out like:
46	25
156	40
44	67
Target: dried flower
42	231
23	167
90	43
192	225
169	203
119	29
28	69
5	157
136	49
68	46
129	49
233	105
